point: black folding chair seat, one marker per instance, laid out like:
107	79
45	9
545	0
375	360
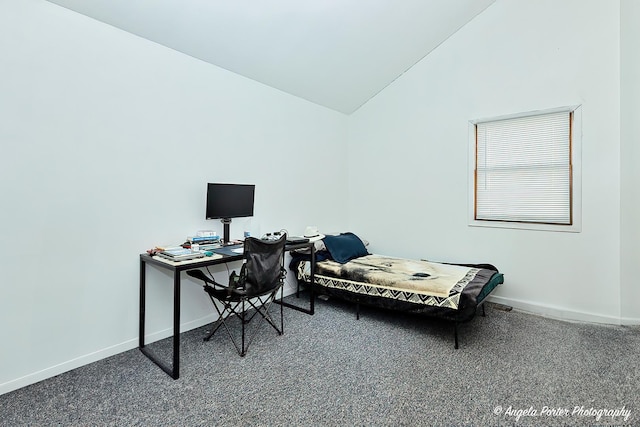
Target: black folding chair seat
250	293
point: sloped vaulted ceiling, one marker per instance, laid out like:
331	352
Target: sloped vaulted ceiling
336	53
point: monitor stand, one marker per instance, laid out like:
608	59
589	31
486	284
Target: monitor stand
226	222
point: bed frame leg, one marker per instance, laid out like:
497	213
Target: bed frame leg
455	334
358	310
483	312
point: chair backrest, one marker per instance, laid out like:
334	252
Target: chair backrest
264	268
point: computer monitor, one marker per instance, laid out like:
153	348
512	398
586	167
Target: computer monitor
227	201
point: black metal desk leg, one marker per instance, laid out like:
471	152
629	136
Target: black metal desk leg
312	299
174	369
176	325
143	289
311	308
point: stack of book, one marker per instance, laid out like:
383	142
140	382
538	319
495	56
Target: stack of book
204	240
179	254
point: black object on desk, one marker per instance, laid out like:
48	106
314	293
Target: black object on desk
230	250
173	369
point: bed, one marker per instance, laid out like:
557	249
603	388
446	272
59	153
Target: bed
346	270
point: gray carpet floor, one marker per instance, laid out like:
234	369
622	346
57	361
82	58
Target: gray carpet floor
386	369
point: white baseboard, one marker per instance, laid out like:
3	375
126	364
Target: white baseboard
67	366
109	351
630	321
562	313
97	355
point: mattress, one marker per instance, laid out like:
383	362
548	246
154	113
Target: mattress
452	291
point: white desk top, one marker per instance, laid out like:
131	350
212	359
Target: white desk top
188	261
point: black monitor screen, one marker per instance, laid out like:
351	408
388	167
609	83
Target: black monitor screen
229	200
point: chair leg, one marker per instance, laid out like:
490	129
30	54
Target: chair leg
263	310
241	310
244	313
242	316
221	317
281	311
217	326
227	311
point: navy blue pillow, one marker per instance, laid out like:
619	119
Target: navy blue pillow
345	247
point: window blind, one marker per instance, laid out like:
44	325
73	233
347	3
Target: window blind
523	169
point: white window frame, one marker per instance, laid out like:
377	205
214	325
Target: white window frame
576	175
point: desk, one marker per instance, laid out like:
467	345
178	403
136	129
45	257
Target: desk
311	247
173	370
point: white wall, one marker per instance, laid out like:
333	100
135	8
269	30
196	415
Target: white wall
630	159
108	142
408	152
95	120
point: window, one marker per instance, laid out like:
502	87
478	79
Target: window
524	171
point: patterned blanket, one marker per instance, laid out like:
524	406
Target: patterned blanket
401	279
400	274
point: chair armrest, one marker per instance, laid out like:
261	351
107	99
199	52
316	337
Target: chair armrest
197	274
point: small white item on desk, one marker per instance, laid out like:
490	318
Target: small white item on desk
186	261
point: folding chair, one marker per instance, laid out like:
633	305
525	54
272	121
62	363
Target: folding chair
250	293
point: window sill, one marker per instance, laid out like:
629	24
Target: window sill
575	228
